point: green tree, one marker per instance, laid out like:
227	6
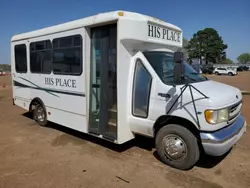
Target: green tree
244	58
5	67
228	61
207	44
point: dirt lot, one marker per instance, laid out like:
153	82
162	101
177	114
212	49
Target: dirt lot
242	80
33	156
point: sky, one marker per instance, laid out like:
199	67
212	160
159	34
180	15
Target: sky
230	18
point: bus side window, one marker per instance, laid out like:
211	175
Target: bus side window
41	57
141	91
20	58
67	55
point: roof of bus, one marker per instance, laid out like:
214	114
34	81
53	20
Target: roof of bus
88	21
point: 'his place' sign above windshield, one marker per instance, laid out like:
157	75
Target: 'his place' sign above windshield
157	32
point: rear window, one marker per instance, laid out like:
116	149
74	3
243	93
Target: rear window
20	58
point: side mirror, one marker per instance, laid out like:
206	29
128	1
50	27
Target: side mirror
179	68
178	57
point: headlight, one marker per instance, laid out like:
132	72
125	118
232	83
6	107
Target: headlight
216	116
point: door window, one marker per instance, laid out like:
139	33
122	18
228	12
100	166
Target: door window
141	90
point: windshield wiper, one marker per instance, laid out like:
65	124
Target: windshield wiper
186	78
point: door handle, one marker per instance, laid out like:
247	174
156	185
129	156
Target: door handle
165	95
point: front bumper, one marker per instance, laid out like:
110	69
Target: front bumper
219	142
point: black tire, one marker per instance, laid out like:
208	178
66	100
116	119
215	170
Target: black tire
38	112
190	142
230	74
216	73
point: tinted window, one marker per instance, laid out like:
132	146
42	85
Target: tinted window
141	91
41	57
20	58
67	55
221	69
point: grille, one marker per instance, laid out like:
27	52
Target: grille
234	111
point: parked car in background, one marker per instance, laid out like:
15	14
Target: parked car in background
245	68
240	68
207	69
225	71
2	73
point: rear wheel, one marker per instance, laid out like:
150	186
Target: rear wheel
177	147
39	115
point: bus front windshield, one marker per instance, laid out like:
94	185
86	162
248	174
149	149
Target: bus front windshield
163	64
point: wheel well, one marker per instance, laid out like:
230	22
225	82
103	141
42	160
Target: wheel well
165	120
36	101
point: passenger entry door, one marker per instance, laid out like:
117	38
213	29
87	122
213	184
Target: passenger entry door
103	89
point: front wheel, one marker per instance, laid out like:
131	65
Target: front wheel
230	74
177	147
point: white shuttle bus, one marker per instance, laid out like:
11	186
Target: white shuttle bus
113	75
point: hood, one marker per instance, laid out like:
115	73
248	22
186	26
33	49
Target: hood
220	95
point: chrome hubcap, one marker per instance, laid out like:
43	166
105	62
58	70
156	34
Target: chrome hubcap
40	114
175	148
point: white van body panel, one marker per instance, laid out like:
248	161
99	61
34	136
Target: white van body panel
61	101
